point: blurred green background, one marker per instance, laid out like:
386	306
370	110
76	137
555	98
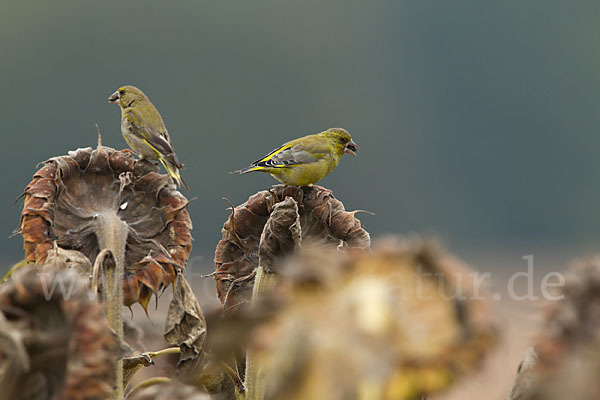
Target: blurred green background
477	120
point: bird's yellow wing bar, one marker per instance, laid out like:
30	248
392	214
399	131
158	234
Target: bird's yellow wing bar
273	153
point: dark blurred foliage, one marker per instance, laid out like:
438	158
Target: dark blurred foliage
476	120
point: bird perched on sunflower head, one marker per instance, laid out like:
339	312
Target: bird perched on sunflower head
144	130
307	160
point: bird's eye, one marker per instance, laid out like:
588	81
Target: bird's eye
121	92
343	140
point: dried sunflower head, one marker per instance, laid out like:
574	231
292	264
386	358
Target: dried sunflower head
565	359
69	195
279	220
384	324
54	338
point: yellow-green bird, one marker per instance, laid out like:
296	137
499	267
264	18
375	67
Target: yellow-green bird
307	160
144	130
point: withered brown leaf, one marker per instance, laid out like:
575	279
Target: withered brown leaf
281	235
185	326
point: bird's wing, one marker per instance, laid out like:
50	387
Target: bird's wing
155	135
300	151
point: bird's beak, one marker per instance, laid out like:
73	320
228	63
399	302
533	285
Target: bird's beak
351	148
114	98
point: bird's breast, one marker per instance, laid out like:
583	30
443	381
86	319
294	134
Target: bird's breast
135	142
304	174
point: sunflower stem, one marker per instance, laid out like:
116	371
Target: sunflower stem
112	232
159	380
129	372
255	381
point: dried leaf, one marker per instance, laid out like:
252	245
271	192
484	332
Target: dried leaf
185	326
281	235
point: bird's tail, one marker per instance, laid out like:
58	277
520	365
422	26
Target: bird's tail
246	170
173	172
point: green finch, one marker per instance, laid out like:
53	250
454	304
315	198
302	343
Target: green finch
307	160
144	130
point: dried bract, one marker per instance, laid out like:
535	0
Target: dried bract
281	236
58	256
